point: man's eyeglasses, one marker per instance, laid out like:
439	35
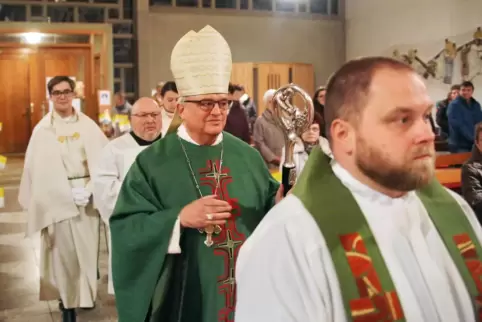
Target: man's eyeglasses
146	115
208	105
66	92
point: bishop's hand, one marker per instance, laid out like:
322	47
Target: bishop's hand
205	211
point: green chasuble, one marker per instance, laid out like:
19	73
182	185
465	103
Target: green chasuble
197	285
365	282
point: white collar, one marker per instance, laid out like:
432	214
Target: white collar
74	117
166	113
361	189
182	133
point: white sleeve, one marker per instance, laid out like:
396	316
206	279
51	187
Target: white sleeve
106	183
25	187
279	272
174	247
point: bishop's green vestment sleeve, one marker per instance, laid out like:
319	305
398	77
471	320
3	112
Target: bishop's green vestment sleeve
140	230
197	285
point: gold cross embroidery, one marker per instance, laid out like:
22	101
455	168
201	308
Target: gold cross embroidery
73	137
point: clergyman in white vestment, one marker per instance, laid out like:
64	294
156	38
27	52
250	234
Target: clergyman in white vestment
118	156
377	112
169	96
55	191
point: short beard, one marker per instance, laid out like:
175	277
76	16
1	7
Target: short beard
376	165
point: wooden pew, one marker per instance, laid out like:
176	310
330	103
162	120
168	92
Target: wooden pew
451	160
448	177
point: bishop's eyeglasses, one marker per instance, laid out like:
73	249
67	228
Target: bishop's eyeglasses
208	105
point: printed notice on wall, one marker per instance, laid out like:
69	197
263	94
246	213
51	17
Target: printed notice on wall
104	98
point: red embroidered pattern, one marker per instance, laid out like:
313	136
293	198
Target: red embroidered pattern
227	244
469	254
374	304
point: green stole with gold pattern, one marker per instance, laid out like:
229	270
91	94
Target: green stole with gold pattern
366	285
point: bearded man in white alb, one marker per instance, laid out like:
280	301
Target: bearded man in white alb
119	154
55	191
370	235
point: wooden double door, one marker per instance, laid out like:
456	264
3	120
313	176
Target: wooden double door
257	78
23	92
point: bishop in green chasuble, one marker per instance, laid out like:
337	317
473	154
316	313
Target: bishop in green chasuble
162	270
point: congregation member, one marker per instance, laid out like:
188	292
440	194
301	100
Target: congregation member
472	175
55	191
319	100
169	98
247	103
370	235
236	120
463	113
189	201
310	139
117	157
267	136
442	106
119	113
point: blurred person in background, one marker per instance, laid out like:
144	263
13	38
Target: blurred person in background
120	114
463	113
169	96
319	106
304	145
268	137
118	156
442	106
236	121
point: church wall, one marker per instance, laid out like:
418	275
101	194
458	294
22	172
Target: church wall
378	27
252	38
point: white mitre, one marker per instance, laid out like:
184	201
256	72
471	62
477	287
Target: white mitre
201	63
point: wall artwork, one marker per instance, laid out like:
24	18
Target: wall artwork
443	66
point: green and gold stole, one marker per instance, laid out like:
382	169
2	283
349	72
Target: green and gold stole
366	285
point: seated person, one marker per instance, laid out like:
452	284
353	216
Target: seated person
472	175
463	114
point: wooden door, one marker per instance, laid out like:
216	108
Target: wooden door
242	74
303	76
97	73
14	100
270	76
68	61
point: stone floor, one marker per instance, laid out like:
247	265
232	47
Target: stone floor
19	260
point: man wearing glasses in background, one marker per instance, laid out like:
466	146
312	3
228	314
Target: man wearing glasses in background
55	191
119	154
189	201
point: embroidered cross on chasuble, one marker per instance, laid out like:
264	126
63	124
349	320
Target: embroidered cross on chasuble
367	288
229	240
